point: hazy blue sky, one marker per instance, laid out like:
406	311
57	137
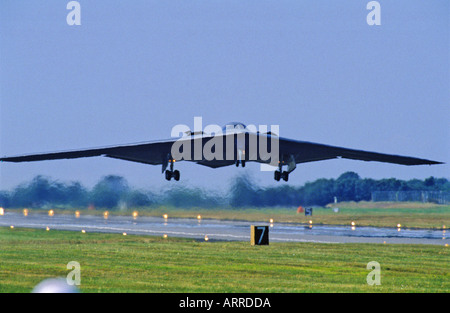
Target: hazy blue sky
134	69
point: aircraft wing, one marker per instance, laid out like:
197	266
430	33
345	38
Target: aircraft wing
304	151
156	152
148	152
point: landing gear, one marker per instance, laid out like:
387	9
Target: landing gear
168	175
280	174
277	175
171	173
175	174
240	162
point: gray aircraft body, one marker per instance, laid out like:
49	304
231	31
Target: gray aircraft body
236	145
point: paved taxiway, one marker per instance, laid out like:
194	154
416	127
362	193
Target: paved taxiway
224	230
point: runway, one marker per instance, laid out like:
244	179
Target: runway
224	230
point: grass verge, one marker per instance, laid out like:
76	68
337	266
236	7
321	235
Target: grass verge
117	263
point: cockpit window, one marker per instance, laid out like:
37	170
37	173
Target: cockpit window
233	125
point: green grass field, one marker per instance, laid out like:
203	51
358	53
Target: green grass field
117	263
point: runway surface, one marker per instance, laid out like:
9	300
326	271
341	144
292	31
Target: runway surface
224	230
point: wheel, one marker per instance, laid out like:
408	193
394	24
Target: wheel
243	163
237	163
285	176
168	174
176	175
277	175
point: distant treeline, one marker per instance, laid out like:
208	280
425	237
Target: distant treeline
114	192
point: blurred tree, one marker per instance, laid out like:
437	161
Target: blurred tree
244	192
429	182
112	190
345	186
4	199
136	198
109	191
